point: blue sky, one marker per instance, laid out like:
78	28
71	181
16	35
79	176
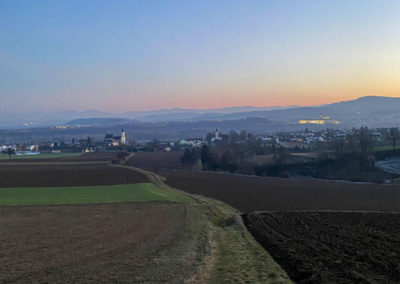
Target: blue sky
136	55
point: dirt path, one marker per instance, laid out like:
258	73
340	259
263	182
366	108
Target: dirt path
234	255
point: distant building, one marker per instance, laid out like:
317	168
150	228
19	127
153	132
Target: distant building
108	139
323	119
216	136
123	137
111	140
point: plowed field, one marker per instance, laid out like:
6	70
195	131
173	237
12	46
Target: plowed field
66	175
156	160
331	247
249	194
74	157
99	243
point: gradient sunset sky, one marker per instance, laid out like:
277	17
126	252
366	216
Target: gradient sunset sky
138	55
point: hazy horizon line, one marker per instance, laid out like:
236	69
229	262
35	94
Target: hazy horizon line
197	108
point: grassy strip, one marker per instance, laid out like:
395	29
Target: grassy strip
236	256
383	148
157	180
241	260
87	194
40	156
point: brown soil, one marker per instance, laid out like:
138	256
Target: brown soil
331	247
86	157
155	160
250	194
67	175
119	242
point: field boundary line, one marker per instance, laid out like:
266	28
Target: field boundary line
235	255
52	163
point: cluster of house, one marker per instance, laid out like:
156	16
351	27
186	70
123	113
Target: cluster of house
112	142
76	145
18	147
199	142
284	139
320	136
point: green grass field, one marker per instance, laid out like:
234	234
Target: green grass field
383	148
88	194
40	156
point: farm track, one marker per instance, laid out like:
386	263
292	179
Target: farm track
235	256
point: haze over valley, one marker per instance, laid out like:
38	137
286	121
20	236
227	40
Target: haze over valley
200	141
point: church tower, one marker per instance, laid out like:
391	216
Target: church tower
123	137
216	134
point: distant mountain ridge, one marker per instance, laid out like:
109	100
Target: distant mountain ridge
371	111
369	103
37	119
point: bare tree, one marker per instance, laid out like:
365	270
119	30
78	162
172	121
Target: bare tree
9	152
339	145
365	140
394	134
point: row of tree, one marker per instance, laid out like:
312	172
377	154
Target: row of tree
209	159
362	140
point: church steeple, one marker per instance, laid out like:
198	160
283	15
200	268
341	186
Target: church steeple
123	137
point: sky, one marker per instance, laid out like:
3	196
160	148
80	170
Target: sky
119	56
